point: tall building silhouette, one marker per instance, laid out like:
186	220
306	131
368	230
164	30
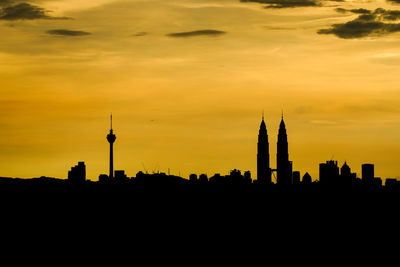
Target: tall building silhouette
283	165
263	168
111	139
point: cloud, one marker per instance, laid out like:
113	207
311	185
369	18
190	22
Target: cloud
22	11
289	3
360	11
376	23
10	10
379	13
196	33
138	34
394	1
355	11
341	10
63	32
357	29
285	3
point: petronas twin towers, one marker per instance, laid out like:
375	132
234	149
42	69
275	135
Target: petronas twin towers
283	165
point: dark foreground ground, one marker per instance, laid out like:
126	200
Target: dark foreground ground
201	206
186	198
189	225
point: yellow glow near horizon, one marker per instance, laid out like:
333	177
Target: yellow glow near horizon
193	104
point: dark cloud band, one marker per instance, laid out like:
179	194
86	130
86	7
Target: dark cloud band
196	33
13	10
289	3
284	3
63	32
22	11
355	11
369	23
394	1
139	34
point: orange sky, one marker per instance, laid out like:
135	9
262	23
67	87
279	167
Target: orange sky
193	102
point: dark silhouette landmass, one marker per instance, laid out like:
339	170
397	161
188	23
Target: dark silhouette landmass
32	181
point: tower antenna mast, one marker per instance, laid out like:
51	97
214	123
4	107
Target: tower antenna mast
111	139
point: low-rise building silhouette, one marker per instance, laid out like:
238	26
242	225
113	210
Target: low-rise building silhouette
193	178
103	178
306	178
235	177
203	179
392	183
157	179
120	175
367	173
77	174
346	176
329	172
216	179
296	177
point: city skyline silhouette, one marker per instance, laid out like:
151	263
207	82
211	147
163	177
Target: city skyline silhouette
331	175
187	80
264	121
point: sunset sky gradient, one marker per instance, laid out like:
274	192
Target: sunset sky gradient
187	82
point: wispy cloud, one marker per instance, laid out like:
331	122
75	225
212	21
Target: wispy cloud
196	33
138	34
324	122
394	1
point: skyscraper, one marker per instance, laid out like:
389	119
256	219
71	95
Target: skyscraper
263	168
283	166
111	139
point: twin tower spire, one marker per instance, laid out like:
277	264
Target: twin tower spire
283	165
